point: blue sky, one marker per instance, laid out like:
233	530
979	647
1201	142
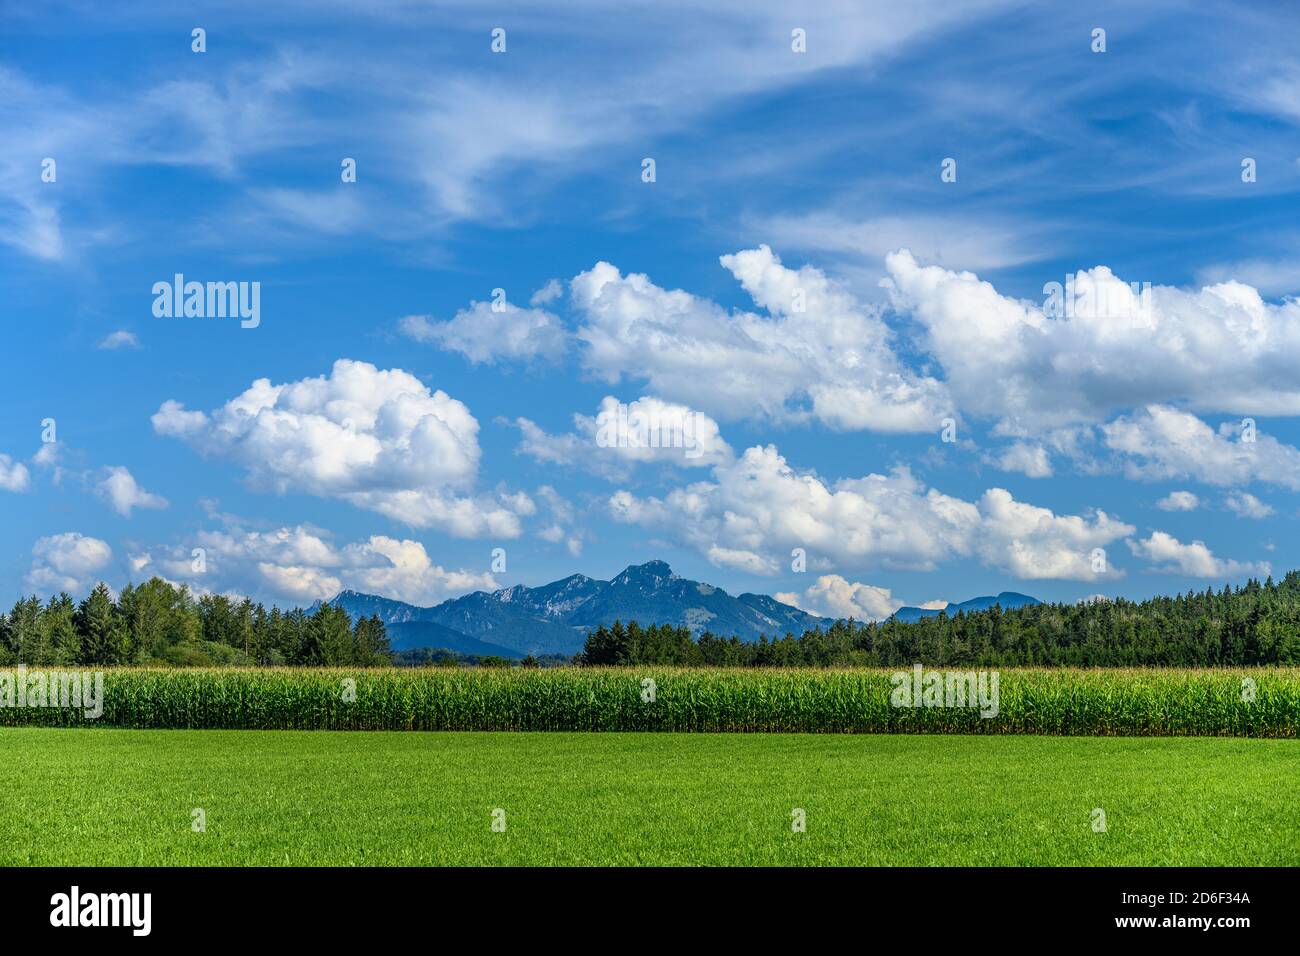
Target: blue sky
404	430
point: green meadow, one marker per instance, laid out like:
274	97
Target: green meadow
106	796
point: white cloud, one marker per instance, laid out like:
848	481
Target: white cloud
1160	442
831	361
379	439
173	420
47	456
548	293
66	562
1179	501
1034	543
646	430
1247	505
738	559
14	475
566	449
758	507
1193	560
1220	348
302	565
198	123
1271	276
119	488
334	211
1028	459
483	334
958	242
469	132
455	138
563	516
834	596
412	576
121	339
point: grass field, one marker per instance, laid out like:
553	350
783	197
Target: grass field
125	797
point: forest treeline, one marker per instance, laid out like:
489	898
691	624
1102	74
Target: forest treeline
158	623
1256	623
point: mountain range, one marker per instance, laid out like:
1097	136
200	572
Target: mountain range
1007	599
555	618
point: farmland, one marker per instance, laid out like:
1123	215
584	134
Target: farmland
1113	702
283	797
653	765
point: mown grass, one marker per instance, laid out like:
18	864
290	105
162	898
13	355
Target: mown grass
1110	702
121	797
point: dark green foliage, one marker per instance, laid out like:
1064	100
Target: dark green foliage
104	635
157	623
1255	624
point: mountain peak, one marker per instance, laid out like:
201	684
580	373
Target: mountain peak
652	573
510	593
555	617
1007	600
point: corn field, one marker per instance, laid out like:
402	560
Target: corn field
1139	702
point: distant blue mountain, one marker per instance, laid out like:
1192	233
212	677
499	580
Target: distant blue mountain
555	618
1007	599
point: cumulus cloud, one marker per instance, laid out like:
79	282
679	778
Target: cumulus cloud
118	487
1179	501
1027	459
1193	560
48	454
739	559
303	565
972	242
1034	543
548	293
758	506
378	439
14	475
817	353
485	334
66	562
647	430
49	457
1220	348
834	596
1247	505
1159	442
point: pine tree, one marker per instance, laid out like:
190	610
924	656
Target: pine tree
104	637
61	630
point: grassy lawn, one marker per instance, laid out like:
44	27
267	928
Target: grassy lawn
124	797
